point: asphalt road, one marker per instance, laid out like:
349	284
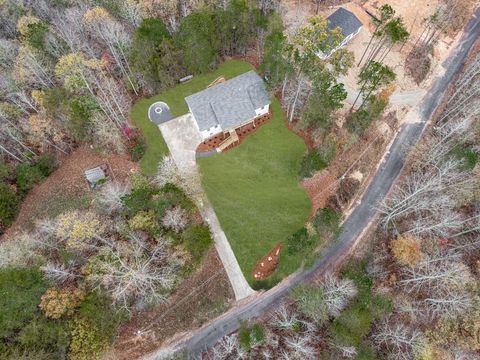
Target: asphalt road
197	341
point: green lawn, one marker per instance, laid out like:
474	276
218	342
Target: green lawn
156	147
255	192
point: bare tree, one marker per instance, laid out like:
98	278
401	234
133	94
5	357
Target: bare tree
398	340
337	293
175	218
135	273
110	196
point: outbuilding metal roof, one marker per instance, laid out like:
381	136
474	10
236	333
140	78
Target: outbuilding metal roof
230	103
95	175
345	20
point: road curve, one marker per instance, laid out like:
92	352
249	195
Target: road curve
198	340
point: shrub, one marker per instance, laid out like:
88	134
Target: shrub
144	220
9	202
197	239
327	223
88	342
311	162
20	292
4	170
42	333
406	249
248	336
45	164
27	176
60	302
310	302
468	156
327	149
138	150
299	241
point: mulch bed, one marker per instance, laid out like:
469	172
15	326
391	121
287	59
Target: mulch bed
267	264
242	133
319	188
204	295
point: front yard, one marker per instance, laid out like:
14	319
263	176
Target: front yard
174	97
255	192
253	188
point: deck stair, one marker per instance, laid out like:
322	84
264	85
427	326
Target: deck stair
230	140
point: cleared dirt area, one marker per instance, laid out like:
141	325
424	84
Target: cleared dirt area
67	188
202	296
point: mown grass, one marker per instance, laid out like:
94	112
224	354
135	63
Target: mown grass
156	147
255	192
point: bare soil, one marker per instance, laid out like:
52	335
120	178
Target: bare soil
68	185
203	296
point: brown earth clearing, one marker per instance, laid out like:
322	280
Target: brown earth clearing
66	188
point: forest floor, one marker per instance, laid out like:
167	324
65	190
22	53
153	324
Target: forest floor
204	295
67	188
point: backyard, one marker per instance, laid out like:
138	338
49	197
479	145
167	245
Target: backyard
174	97
255	192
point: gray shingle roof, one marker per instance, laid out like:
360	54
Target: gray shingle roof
229	103
345	20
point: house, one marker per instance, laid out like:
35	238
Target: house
229	105
348	24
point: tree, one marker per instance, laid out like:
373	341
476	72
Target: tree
275	62
337	293
326	97
134	274
99	22
386	13
154	55
198	40
375	76
236	26
400	341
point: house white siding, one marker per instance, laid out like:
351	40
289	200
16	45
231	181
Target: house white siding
262	111
211	132
342	44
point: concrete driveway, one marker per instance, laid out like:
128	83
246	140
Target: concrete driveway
182	138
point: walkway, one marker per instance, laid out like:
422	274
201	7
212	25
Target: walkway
182	138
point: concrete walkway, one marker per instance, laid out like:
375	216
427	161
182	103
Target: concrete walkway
182	138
